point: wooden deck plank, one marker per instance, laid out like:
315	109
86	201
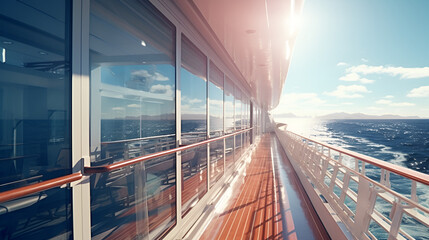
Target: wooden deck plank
255	212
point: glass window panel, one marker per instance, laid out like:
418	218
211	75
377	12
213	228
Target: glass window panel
35	110
238	122
229	151
216	101
194	176
132	60
134	201
193	92
238	146
238	109
216	161
194	124
229	106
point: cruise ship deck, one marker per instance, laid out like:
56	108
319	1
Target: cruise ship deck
268	203
150	119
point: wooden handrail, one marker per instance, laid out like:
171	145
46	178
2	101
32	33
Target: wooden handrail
38	187
402	171
121	164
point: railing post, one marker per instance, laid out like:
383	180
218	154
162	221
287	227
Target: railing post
396	216
356	164
324	170
366	198
333	178
346	182
414	191
385	178
304	152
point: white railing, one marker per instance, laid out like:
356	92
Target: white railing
373	198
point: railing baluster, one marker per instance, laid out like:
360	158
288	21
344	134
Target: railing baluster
346	182
333	178
396	216
315	164
367	196
356	164
324	170
414	191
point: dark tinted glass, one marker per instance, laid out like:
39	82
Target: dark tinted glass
35	108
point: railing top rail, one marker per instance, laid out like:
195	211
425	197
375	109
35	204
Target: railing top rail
38	187
402	171
128	162
137	139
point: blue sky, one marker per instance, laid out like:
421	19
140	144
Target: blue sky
360	56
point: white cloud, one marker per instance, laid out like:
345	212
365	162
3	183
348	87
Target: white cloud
118	108
191	101
402	72
383	101
354	77
351	77
145	74
162	89
160	77
364	60
402	104
374	108
133	105
388	96
185	107
195	100
419	92
141	73
365	80
394	104
342	64
352	91
217	103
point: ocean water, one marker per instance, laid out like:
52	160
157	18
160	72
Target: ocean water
401	142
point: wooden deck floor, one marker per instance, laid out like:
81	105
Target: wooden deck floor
255	211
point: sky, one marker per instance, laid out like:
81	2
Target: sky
362	56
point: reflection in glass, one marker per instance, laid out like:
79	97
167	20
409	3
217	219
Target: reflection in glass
194	125
229	151
135	201
216	161
229	106
238	109
238	146
132	60
35	110
216	101
216	123
194	176
238	123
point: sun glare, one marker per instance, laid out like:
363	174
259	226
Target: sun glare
294	23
